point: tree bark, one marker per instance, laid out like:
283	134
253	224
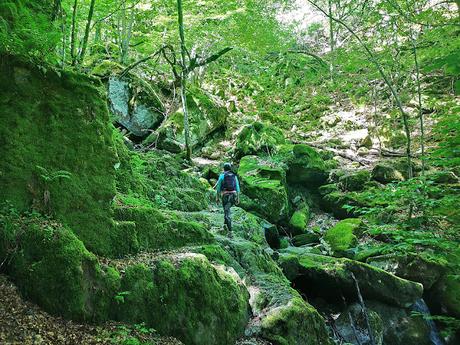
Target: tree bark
73	34
87	30
183	80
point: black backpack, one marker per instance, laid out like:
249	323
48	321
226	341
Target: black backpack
229	183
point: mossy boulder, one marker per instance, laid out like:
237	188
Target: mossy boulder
336	202
135	104
385	173
54	125
360	330
185	296
299	220
307	238
445	295
344	236
52	267
399	326
264	184
258	138
205	117
412	266
330	277
305	166
163	230
354	180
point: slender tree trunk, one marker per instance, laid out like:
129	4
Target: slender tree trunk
56	10
419	105
87	30
388	82
183	79
73	34
64	39
331	39
126	37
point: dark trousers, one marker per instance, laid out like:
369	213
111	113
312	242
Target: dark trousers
228	200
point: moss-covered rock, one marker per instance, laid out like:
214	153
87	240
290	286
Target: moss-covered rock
307	238
330	277
205	117
135	105
52	267
336	202
163	230
445	295
384	173
412	266
399	326
57	149
185	296
305	166
264	184
258	138
354	180
299	220
344	235
360	330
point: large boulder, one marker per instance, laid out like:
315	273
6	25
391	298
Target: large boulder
57	149
385	173
205	116
185	296
399	326
336	202
305	165
332	277
416	267
343	236
264	184
258	138
134	105
52	267
359	330
354	180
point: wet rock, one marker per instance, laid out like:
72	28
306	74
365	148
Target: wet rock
330	277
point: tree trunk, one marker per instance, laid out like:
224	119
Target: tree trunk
73	34
331	40
183	79
126	36
87	30
388	82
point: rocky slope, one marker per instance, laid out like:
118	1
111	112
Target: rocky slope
93	231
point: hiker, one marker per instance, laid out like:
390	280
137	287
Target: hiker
228	187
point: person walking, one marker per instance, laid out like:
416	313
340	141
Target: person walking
228	189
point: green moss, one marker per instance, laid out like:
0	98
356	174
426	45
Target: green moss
299	220
354	181
185	297
295	323
157	230
304	239
205	117
265	185
384	173
52	267
344	235
257	139
330	277
59	122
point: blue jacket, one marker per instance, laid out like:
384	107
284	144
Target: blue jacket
221	179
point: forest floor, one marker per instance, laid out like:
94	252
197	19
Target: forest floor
23	323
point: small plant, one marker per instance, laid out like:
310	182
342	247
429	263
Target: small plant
138	334
48	177
120	297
